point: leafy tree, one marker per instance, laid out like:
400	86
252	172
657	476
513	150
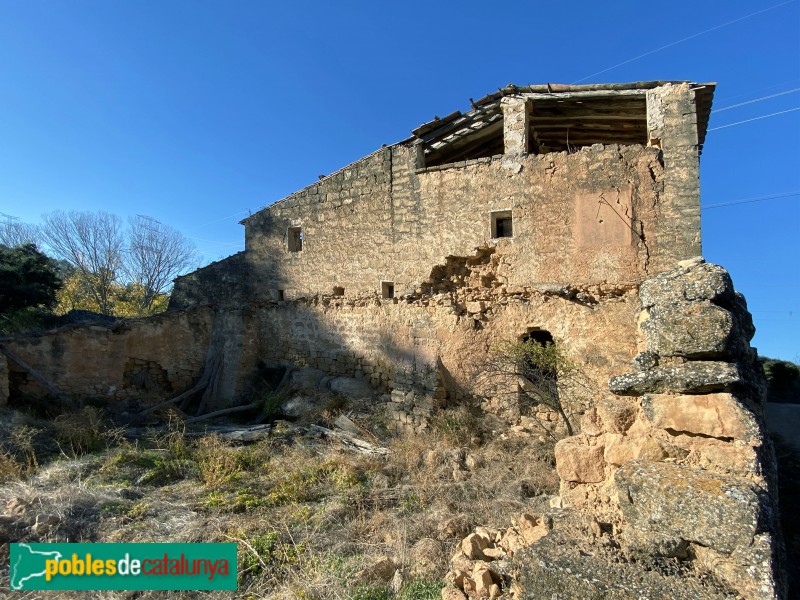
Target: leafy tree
28	280
783	380
75	294
128	301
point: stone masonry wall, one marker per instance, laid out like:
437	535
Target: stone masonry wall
601	214
427	350
224	282
422	349
134	361
678	461
575	219
672	124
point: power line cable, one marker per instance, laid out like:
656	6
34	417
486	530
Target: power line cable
753	199
781	112
684	40
764	88
755	100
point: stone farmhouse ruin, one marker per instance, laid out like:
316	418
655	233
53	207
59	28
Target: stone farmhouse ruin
545	212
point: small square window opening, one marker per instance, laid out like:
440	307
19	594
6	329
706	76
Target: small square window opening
387	289
338	291
502	224
295	236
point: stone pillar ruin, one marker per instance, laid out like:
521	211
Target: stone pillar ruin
516	124
678	462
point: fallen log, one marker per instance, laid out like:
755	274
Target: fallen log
228	433
200	385
224	411
349	441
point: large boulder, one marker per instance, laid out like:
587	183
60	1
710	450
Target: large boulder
571	562
348	387
713	415
306	381
689	504
580	459
693	282
696	376
692	330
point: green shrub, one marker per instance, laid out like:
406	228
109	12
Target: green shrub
217	463
422	589
371	592
80	432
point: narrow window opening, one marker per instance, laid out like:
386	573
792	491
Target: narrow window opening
537	370
387	289
502	226
280	295
295	236
338	291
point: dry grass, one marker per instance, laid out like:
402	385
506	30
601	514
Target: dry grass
307	516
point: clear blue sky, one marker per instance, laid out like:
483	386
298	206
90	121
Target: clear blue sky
197	112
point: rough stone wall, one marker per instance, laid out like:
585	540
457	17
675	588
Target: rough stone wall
601	214
427	350
672	125
344	219
132	361
224	282
678	461
575	219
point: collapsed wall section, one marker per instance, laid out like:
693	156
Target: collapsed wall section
594	214
575	218
125	362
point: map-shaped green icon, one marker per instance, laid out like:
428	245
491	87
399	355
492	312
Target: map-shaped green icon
28	565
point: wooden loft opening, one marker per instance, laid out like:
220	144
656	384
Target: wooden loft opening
566	123
457	137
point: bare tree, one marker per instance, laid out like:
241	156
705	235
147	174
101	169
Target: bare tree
532	373
14	232
156	254
92	243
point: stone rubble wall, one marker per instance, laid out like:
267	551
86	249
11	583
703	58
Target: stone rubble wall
678	461
564	231
421	351
128	362
424	351
601	214
222	283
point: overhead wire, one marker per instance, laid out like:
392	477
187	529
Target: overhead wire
764	88
753	199
780	112
675	43
762	98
